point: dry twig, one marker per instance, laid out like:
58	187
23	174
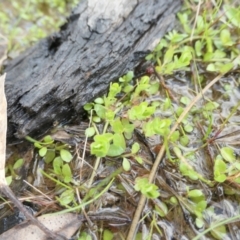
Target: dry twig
159	158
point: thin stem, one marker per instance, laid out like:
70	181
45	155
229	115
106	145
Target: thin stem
138	212
96	165
8	192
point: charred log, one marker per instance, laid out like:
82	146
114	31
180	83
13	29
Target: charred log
101	41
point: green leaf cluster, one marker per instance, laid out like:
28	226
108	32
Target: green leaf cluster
57	154
198	202
226	166
66	197
120	111
157	126
141	111
214	44
14	170
108	144
150	190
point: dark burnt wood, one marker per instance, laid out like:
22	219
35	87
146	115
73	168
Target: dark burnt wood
101	41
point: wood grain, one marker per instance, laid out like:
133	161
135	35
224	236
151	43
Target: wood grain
101	41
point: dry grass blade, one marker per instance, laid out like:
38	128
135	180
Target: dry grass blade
159	158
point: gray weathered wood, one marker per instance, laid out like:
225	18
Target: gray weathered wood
101	41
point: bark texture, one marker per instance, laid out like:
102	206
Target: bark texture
101	41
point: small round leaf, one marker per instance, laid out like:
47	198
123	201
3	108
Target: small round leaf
89	132
126	164
228	154
43	151
18	163
66	155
